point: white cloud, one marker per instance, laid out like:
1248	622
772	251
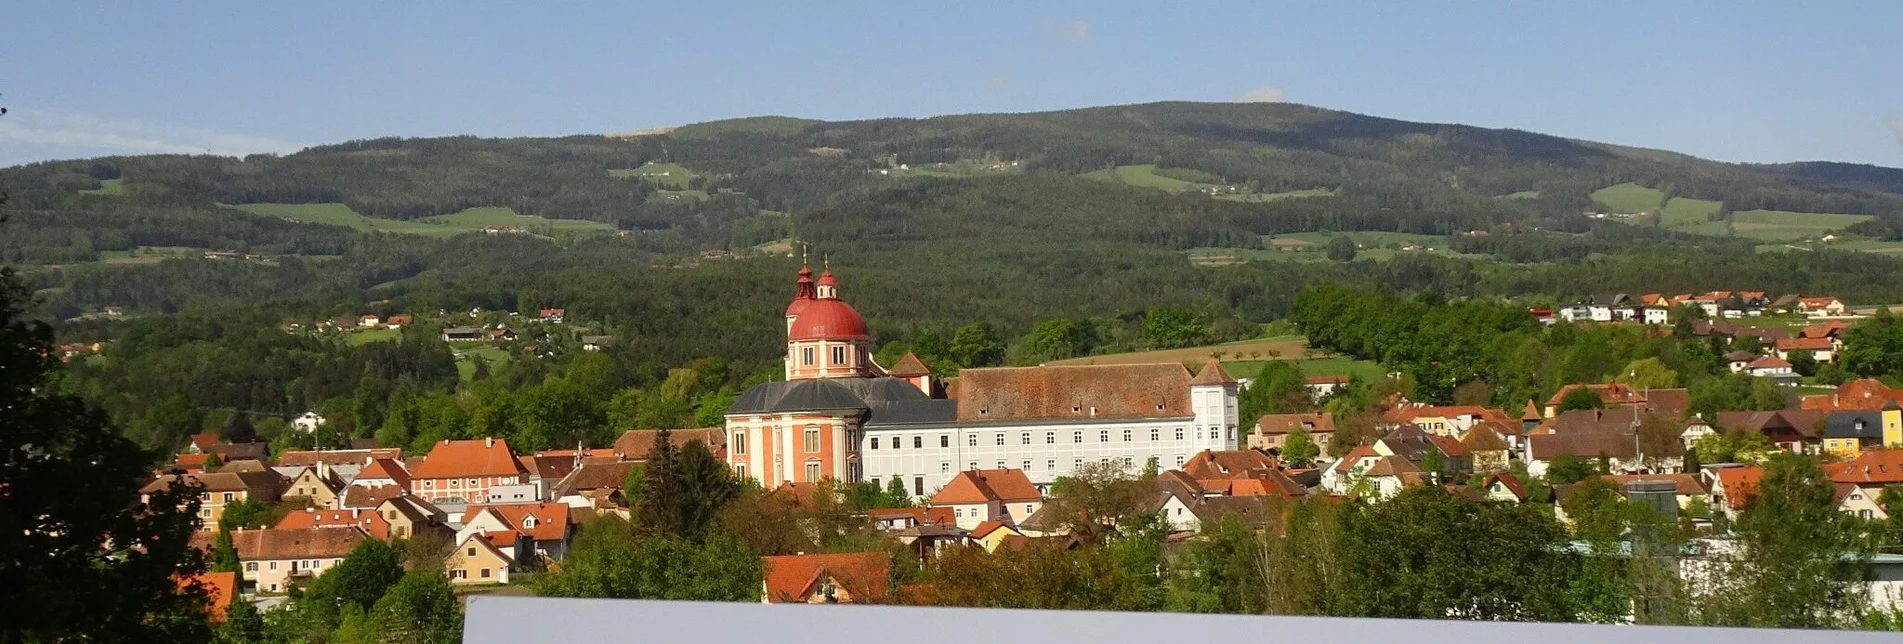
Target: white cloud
87	134
1000	82
1263	94
1080	32
1896	127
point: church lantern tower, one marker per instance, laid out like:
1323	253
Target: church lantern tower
825	336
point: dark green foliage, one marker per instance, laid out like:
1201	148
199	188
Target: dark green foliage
72	487
609	559
1791	552
973	345
1341	248
420	609
1279	388
1300	450
1427	554
682	490
1874	347
1166	327
358	581
1581	398
224	557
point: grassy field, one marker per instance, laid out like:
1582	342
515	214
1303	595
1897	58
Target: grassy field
1272	196
466	368
1245	359
1628	198
1523	194
1288	346
107	187
1779	224
473	219
673	176
1688	213
1310	247
372	335
1143	176
1368	371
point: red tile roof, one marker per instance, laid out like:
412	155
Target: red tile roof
1687	483
312	543
468	458
986	528
1276	424
984	486
386	468
369	496
1804	344
1873	466
306	458
795	578
909	367
1125	391
635	444
367	520
1212	373
1229	464
550	519
919	516
1863	394
1740	484
220	589
204	441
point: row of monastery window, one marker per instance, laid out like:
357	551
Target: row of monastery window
1050	464
839	356
1024	438
453	483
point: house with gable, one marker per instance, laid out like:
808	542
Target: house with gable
1487	447
1822	349
220	489
1868	473
477	560
1792	430
458	472
841	578
1848	433
977	496
1413	443
1505	487
542	529
1271	431
272	559
318	486
369	521
1240	473
1732	486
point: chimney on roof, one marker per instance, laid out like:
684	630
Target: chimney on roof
489	441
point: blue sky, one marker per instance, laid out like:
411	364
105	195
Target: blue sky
1736	81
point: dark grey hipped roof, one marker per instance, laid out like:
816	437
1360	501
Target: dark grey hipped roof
888	401
1844	424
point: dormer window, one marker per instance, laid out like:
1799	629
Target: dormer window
1076	409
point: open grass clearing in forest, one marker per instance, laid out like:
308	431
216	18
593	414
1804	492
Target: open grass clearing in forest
1523	194
1273	196
1288	346
107	187
1629	198
472	219
1333	366
466	364
368	336
673	176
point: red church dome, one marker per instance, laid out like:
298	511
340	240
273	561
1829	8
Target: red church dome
827	319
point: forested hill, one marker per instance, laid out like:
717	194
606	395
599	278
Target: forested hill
1083	197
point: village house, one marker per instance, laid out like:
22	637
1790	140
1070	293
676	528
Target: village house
544	529
1820	349
462	334
1774	368
1863	394
1868	473
594	485
369	521
1858	501
992	535
1322	386
1732	486
1342	474
317	486
1687	488
308	422
1823	307
409	516
1414	444
1505	487
460	472
275	559
1792	430
1848	433
1488	449
977	496
382	471
552	316
220	489
477	561
1590	434
896	519
842	578
1669	403
1240	473
633	445
398	321
1271	431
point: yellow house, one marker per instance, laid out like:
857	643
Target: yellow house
219	489
477	561
993	534
1848	433
318	486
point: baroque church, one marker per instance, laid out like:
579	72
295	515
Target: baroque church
840	415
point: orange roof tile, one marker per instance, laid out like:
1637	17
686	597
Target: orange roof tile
312	543
468	458
1740	484
220	589
795	578
386	468
984	486
307	458
1212	373
1873	466
635	444
367	520
1126	391
550	519
909	367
